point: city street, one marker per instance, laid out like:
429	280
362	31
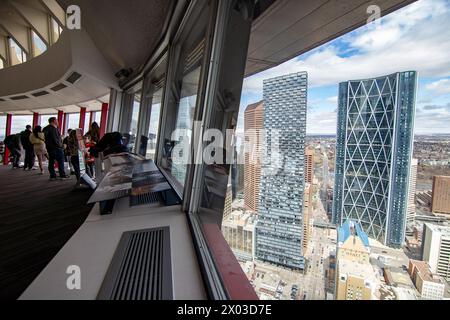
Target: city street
322	242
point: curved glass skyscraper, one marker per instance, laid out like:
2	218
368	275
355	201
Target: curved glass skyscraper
373	154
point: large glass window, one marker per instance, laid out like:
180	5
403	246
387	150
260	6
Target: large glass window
43	119
154	124
2	63
18	55
39	45
2	127
132	134
74	121
56	29
19	123
182	100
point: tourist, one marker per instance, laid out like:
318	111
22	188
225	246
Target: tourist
37	139
94	133
73	151
12	142
55	149
28	148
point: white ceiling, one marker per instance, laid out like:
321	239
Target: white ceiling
126	32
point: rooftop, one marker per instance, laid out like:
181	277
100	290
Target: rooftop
445	230
361	270
425	272
350	228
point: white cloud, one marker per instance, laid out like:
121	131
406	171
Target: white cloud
414	38
321	122
333	100
441	86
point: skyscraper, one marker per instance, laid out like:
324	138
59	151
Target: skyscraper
411	211
373	154
253	125
309	167
441	195
279	229
228	201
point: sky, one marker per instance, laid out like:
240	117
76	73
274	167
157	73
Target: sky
416	37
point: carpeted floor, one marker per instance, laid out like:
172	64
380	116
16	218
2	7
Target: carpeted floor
37	217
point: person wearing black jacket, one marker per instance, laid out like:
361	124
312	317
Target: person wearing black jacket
12	142
28	147
55	149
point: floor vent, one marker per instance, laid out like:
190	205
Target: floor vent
141	268
142	199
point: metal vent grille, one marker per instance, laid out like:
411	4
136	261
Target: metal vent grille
74	77
40	94
141	267
59	87
19	97
142	199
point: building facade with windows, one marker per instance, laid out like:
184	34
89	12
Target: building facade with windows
411	212
355	276
279	231
253	125
436	249
440	202
373	154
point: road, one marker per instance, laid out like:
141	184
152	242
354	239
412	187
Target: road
319	248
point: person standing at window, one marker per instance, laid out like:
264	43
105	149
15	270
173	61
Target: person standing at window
55	149
37	139
73	148
94	133
28	148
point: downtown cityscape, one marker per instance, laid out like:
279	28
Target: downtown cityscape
362	214
240	153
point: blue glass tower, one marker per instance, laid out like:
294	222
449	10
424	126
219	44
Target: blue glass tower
279	229
375	136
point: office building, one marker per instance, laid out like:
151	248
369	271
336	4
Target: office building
239	231
429	285
411	211
436	249
355	276
253	125
307	216
309	165
440	203
228	201
279	230
373	154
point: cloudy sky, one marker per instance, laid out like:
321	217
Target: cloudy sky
416	37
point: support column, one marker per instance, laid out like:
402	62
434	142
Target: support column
82	119
35	119
65	123
7	133
60	121
91	118
104	119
